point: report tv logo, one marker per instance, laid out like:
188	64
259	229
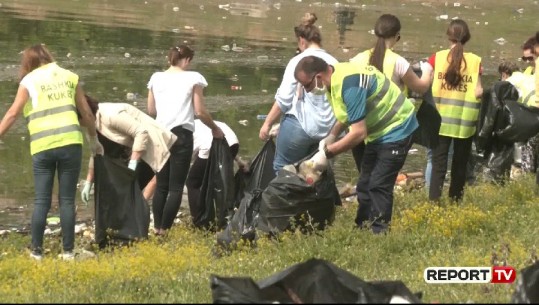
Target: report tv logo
472	275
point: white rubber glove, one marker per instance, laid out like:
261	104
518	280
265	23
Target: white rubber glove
85	193
95	146
326	141
425	67
320	161
132	165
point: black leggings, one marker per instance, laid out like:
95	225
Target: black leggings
171	180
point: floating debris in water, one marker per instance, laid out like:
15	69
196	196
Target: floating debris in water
371	32
277	6
188	27
130	96
243	122
175	30
224	6
456	4
443	17
225	48
520	10
127	55
68	55
201	7
176	9
501	41
262	57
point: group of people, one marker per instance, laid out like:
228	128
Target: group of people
158	145
368	98
324	107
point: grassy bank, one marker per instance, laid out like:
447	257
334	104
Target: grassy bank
493	224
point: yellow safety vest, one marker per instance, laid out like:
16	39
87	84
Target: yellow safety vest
51	112
529	70
386	108
525	85
458	106
390	59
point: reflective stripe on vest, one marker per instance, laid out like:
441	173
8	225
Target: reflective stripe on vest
386	108
51	111
458	106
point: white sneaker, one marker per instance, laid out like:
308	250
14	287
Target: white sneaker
36	256
67	256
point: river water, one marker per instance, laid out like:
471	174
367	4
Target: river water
240	47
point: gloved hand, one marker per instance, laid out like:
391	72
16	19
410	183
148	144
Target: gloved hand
320	161
326	141
95	146
132	165
85	193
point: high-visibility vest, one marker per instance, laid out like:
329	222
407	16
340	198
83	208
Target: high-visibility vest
386	108
390	59
525	85
458	106
51	112
529	70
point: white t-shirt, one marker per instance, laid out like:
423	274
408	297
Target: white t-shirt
173	93
401	67
202	138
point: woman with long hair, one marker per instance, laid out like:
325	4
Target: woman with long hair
457	91
51	98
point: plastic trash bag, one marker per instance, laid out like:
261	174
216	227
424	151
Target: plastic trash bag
522	122
216	200
313	281
249	187
290	201
122	214
527	286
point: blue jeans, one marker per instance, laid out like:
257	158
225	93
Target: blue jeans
171	180
428	170
67	161
293	143
379	169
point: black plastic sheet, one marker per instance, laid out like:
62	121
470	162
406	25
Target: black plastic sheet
527	286
249	187
216	200
313	281
122	214
428	117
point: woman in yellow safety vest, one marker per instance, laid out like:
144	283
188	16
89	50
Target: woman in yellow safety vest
50	98
456	89
395	67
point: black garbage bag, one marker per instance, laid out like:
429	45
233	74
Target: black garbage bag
122	215
527	286
289	201
522	122
216	200
249	187
313	281
499	161
260	172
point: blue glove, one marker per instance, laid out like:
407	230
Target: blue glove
132	165
85	193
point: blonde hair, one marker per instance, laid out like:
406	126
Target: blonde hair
34	57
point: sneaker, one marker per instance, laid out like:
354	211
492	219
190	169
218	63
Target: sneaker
36	256
67	256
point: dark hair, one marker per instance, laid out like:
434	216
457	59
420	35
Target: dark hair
530	42
33	57
386	26
459	34
177	53
307	30
508	67
310	65
92	103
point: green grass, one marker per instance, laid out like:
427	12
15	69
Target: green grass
493	224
